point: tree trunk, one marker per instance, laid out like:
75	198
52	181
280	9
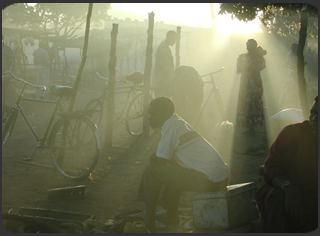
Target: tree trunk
300	62
83	59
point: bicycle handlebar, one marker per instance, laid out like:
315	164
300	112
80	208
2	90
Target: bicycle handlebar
44	88
211	73
106	79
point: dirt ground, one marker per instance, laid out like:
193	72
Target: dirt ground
111	191
115	180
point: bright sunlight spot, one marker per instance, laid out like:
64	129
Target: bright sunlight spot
188	14
226	25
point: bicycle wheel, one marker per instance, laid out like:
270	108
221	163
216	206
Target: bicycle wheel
93	110
134	116
8	123
74	146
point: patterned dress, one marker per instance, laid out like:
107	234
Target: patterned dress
250	104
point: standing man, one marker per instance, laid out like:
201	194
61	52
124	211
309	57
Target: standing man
8	58
164	66
42	63
183	161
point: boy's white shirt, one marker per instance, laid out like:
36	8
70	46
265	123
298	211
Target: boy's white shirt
196	154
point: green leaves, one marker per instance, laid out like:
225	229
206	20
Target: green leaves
282	19
61	19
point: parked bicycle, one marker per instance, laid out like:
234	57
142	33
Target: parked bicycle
214	91
134	114
72	139
94	108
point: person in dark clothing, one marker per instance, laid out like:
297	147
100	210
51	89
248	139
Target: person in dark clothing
8	90
7	58
183	161
164	66
187	93
42	63
288	200
250	103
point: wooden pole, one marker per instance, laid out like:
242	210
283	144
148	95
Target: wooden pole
178	46
83	58
147	74
110	88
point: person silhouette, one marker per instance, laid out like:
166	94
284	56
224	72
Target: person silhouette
164	66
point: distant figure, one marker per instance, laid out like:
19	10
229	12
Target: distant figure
292	60
8	58
288	201
20	57
188	93
42	63
183	161
8	91
289	93
250	104
164	66
311	57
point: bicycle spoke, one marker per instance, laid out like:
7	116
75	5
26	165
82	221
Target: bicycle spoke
79	151
134	119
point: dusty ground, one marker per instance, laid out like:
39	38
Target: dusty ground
116	176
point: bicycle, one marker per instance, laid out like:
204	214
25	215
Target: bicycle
72	139
214	91
94	108
134	112
134	115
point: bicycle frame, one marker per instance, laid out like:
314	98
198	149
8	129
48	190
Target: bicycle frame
19	109
214	90
133	89
40	140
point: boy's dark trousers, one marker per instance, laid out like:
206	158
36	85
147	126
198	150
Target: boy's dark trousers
163	181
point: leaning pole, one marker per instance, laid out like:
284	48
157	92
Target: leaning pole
83	58
110	88
147	74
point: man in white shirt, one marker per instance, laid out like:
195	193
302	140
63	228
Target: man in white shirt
183	161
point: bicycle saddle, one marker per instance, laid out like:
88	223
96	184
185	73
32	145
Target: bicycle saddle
61	90
136	77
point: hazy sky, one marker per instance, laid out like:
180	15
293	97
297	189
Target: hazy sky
192	14
184	14
189	14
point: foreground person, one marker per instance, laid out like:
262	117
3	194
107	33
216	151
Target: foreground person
183	161
288	201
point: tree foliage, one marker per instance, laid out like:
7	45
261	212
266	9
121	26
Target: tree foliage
60	19
282	19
